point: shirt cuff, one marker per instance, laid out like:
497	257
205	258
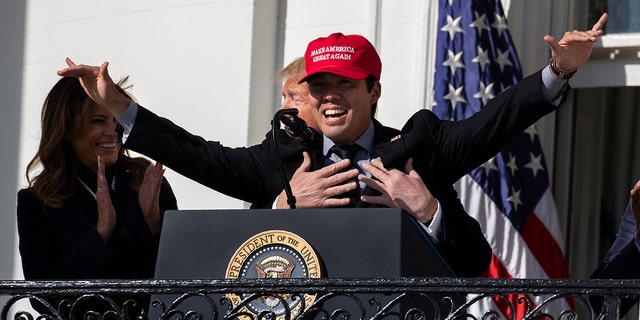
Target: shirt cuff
433	229
127	120
552	88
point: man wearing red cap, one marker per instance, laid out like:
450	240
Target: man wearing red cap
343	74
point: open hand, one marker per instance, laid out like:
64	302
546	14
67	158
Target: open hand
404	190
149	196
574	49
98	85
317	189
106	212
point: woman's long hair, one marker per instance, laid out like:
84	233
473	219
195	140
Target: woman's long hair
66	102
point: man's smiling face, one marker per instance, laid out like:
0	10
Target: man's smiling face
344	106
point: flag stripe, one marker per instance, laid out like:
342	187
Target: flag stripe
497	270
545	248
507	243
511	255
509	195
551	222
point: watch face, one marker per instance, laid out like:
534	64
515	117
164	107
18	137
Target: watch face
557	73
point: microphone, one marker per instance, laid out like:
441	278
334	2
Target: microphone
295	126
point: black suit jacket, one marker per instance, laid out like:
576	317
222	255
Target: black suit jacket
625	265
443	152
63	243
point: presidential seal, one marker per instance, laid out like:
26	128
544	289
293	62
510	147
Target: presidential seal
274	254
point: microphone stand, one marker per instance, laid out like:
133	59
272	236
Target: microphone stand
275	125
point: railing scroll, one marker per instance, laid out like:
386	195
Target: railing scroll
334	299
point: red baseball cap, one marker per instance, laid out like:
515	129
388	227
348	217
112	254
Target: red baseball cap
350	56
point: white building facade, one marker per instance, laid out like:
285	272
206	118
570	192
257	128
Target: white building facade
208	65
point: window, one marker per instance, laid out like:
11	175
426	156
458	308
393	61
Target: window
624	15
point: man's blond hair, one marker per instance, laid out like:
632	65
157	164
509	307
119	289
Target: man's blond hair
295	69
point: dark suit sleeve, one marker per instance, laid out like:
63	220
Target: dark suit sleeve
625	265
461	242
237	172
457	147
466	144
444	151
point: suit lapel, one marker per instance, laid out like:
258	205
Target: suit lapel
381	134
315	152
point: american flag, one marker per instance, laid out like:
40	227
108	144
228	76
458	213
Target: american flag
509	195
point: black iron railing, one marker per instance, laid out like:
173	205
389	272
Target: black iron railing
343	299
